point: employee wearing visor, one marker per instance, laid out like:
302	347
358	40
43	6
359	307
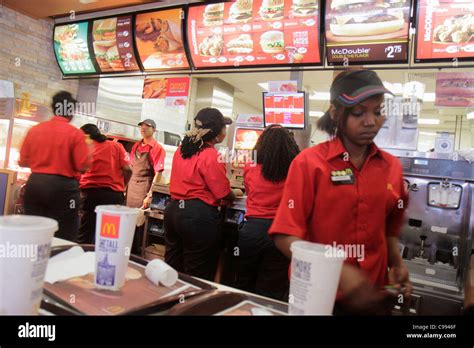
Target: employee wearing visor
148	162
57	154
349	192
198	184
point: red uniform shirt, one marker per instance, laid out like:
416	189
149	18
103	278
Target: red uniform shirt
202	177
363	213
155	151
55	147
263	196
108	160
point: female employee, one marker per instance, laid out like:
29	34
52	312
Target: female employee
347	191
104	183
198	183
263	269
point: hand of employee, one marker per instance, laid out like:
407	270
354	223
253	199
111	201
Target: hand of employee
147	202
399	277
238	192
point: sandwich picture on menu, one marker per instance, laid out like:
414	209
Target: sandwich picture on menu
240	45
272	10
213	14
104	33
241	11
304	8
272	42
366	17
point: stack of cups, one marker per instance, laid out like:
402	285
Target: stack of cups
115	228
315	273
25	245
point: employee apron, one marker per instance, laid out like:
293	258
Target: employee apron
141	180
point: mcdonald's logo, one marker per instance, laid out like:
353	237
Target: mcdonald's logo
110	226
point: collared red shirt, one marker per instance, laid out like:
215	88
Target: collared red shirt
55	147
109	159
357	217
263	196
201	177
156	152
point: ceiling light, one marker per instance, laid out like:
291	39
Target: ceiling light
264	85
316	113
429	121
320	96
87	1
470	115
429	97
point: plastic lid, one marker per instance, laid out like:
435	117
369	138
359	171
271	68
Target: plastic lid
327	251
116	209
27	223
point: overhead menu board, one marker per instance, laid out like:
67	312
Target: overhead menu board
159	40
71	48
367	31
445	30
254	33
113	44
286	109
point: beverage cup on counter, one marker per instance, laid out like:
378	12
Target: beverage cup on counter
159	271
315	273
115	227
25	245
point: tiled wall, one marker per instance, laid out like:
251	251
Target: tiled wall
27	58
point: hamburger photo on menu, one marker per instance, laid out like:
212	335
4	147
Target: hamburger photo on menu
272	42
272	10
241	11
367	18
213	14
304	8
105	45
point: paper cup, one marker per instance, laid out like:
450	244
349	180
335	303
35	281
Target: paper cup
25	245
114	232
315	272
158	271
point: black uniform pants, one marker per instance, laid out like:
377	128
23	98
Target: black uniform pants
56	197
91	198
261	267
193	236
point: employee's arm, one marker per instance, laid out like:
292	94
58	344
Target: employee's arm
127	174
25	153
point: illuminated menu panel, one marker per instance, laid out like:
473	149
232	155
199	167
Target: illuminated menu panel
286	109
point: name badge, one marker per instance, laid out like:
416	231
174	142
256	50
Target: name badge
343	177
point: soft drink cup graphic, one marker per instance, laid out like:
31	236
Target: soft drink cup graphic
115	227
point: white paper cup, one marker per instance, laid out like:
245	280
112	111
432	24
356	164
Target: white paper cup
114	232
159	271
25	245
315	273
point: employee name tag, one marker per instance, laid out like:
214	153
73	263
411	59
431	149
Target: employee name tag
342	177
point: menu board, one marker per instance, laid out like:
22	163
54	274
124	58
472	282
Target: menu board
445	30
455	89
72	49
254	33
246	138
159	40
286	109
367	31
113	44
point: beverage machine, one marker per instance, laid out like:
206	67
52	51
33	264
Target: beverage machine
436	237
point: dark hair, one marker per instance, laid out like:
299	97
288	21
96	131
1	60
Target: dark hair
276	148
208	118
93	132
334	127
63	104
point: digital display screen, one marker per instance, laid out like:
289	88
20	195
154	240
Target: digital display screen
285	109
254	33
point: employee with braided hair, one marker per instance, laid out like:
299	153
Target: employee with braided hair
198	185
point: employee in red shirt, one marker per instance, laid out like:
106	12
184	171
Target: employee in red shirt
198	184
56	152
148	163
104	182
347	191
262	268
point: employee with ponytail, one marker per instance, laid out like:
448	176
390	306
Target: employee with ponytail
104	183
198	185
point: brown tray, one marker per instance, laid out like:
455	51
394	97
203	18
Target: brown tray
227	303
137	297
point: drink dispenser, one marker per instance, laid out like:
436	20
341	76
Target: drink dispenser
436	237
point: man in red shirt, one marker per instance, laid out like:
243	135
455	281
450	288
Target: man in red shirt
148	162
104	183
56	152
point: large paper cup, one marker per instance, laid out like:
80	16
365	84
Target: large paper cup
159	271
114	232
25	245
315	272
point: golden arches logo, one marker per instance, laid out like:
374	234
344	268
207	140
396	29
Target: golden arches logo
108	230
